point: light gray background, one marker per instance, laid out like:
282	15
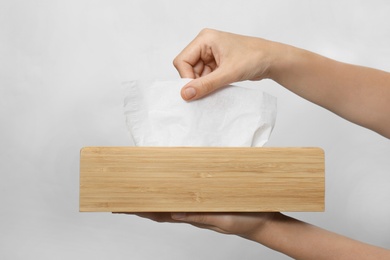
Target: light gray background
61	65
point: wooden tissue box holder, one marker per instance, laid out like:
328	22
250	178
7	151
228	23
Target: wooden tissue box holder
201	179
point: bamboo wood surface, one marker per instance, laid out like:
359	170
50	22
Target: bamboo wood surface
201	179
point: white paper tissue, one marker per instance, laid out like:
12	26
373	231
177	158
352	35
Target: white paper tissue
234	116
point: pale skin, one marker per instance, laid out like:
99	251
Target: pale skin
358	94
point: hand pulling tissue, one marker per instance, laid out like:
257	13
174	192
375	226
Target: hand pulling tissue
233	116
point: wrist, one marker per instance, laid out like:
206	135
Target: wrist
284	61
258	233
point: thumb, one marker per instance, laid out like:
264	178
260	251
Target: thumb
203	86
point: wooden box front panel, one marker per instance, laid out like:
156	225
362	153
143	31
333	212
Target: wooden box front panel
201	179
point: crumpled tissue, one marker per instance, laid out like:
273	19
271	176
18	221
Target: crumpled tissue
233	116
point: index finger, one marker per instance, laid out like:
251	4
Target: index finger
188	58
185	69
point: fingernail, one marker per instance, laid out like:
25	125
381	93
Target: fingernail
178	215
189	93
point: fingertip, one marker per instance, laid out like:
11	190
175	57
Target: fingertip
188	93
200	87
185	69
193	90
178	215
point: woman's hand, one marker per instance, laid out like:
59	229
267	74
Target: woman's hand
215	59
242	224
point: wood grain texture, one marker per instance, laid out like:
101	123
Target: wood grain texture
201	179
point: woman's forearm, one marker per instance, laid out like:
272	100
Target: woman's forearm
358	94
304	241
